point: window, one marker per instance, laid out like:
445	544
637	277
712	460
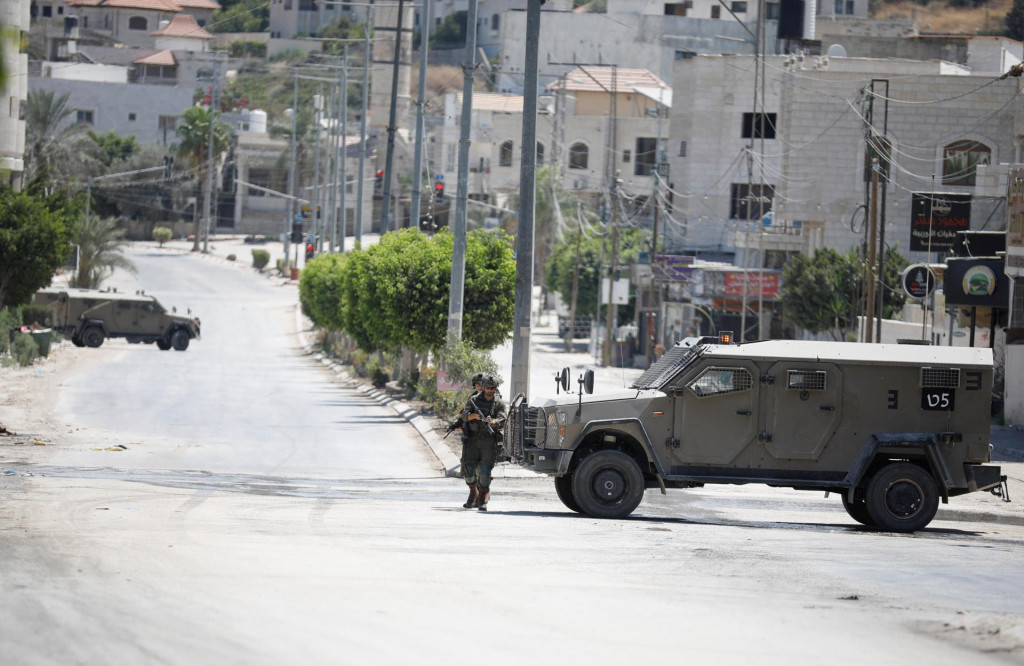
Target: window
719	381
685	55
716	11
1017	306
578	156
676	8
682	149
839	7
495	21
763	127
771	10
505	154
749	201
960	160
261	177
138	23
646	156
47	12
83	116
540	153
806	380
626	155
849	7
739	7
131	117
167	122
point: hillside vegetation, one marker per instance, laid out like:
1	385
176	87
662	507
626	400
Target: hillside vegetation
945	18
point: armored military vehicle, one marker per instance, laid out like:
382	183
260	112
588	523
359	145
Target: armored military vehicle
89	316
890	429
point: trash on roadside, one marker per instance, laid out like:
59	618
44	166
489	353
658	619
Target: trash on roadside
38	442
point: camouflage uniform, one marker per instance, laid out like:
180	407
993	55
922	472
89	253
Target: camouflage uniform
479	447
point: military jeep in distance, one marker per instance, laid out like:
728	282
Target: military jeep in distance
891	429
89	316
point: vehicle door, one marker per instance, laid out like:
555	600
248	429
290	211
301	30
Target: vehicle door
124	319
150	318
716	412
803	408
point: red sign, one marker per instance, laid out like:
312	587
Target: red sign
765	284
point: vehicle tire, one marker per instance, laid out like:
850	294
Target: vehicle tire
902	497
133	340
858	510
93	336
608	484
163	343
77	341
179	340
563	488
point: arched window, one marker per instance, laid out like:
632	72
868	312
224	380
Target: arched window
495	22
960	160
578	156
138	23
540	153
505	154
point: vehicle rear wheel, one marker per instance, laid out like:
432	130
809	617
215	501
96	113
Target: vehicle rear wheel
902	497
164	344
77	341
608	484
563	488
179	340
858	510
93	336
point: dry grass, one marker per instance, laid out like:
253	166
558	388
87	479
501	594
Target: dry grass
936	17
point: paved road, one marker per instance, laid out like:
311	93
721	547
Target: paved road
258	518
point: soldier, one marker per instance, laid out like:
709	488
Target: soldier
484	415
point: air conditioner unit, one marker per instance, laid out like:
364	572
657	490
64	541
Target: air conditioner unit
546	104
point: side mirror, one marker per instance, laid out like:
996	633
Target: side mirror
587	381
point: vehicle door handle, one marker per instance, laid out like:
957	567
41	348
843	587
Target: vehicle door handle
827	408
743	412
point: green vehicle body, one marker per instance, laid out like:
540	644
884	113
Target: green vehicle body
891	429
89	316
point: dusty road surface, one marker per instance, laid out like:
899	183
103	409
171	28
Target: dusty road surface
234	504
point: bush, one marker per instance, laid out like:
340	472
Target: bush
37	314
162	235
280	266
10	319
24	349
260	259
231	257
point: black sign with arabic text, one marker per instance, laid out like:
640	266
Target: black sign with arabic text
935	219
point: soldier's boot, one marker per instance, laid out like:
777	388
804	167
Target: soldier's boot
474	495
485	495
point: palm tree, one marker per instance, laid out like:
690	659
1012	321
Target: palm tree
194	132
53	147
100	251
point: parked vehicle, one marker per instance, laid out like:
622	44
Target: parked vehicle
891	429
90	316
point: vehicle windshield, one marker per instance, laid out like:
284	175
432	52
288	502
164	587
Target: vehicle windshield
667	367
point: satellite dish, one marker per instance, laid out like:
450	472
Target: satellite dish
836	51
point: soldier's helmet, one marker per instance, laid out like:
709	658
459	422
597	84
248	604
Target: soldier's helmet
490	382
477	378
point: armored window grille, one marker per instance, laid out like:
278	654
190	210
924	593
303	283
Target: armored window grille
719	381
667	367
940	377
806	380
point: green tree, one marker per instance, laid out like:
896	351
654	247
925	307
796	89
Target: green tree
162	235
114	147
33	245
321	290
451	33
193	147
55	148
822	293
100	252
561	266
241	16
1014	21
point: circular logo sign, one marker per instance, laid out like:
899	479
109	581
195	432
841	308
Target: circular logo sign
918	281
979	281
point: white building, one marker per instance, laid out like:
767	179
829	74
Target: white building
14	15
132	22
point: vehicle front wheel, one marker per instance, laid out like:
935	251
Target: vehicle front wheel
93	336
164	344
77	341
902	497
858	510
563	488
608	484
179	340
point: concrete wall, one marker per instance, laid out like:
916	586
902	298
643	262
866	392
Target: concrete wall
111	104
80	71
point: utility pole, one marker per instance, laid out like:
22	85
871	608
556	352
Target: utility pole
318	107
291	169
527	185
362	128
458	279
385	214
209	159
417	168
613	274
575	282
341	181
869	328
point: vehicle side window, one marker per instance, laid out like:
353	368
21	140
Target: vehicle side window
152	307
124	305
806	380
718	381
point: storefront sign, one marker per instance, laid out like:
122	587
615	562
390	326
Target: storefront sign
918	281
976	282
763	285
935	219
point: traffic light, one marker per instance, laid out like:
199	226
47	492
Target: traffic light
379	182
296	232
439	190
310	250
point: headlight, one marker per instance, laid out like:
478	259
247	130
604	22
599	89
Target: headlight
556	428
